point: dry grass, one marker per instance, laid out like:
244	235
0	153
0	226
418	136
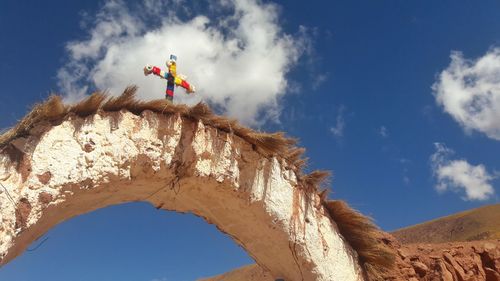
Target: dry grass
363	236
53	110
311	182
358	230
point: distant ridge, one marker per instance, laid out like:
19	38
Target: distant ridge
477	224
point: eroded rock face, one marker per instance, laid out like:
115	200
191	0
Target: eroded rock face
84	164
456	261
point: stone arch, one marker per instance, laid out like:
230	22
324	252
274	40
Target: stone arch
175	163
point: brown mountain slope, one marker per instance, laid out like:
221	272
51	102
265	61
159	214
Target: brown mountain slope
450	261
477	224
442	249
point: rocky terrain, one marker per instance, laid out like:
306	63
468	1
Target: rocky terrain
421	258
462	246
460	261
457	261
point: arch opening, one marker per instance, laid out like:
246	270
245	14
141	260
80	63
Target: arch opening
131	241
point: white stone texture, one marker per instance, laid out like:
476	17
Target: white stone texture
84	164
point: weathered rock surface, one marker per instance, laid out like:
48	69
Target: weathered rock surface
457	261
83	164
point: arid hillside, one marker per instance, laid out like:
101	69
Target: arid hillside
427	251
476	224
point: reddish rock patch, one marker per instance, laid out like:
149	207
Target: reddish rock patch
89	147
87	183
456	261
15	155
45	198
45	177
25	168
23	211
491	275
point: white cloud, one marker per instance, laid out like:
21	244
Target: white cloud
383	132
318	80
403	160
406	179
458	175
469	90
338	129
238	59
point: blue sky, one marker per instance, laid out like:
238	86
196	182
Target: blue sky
353	80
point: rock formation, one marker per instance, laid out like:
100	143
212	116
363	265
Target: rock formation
62	161
457	261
